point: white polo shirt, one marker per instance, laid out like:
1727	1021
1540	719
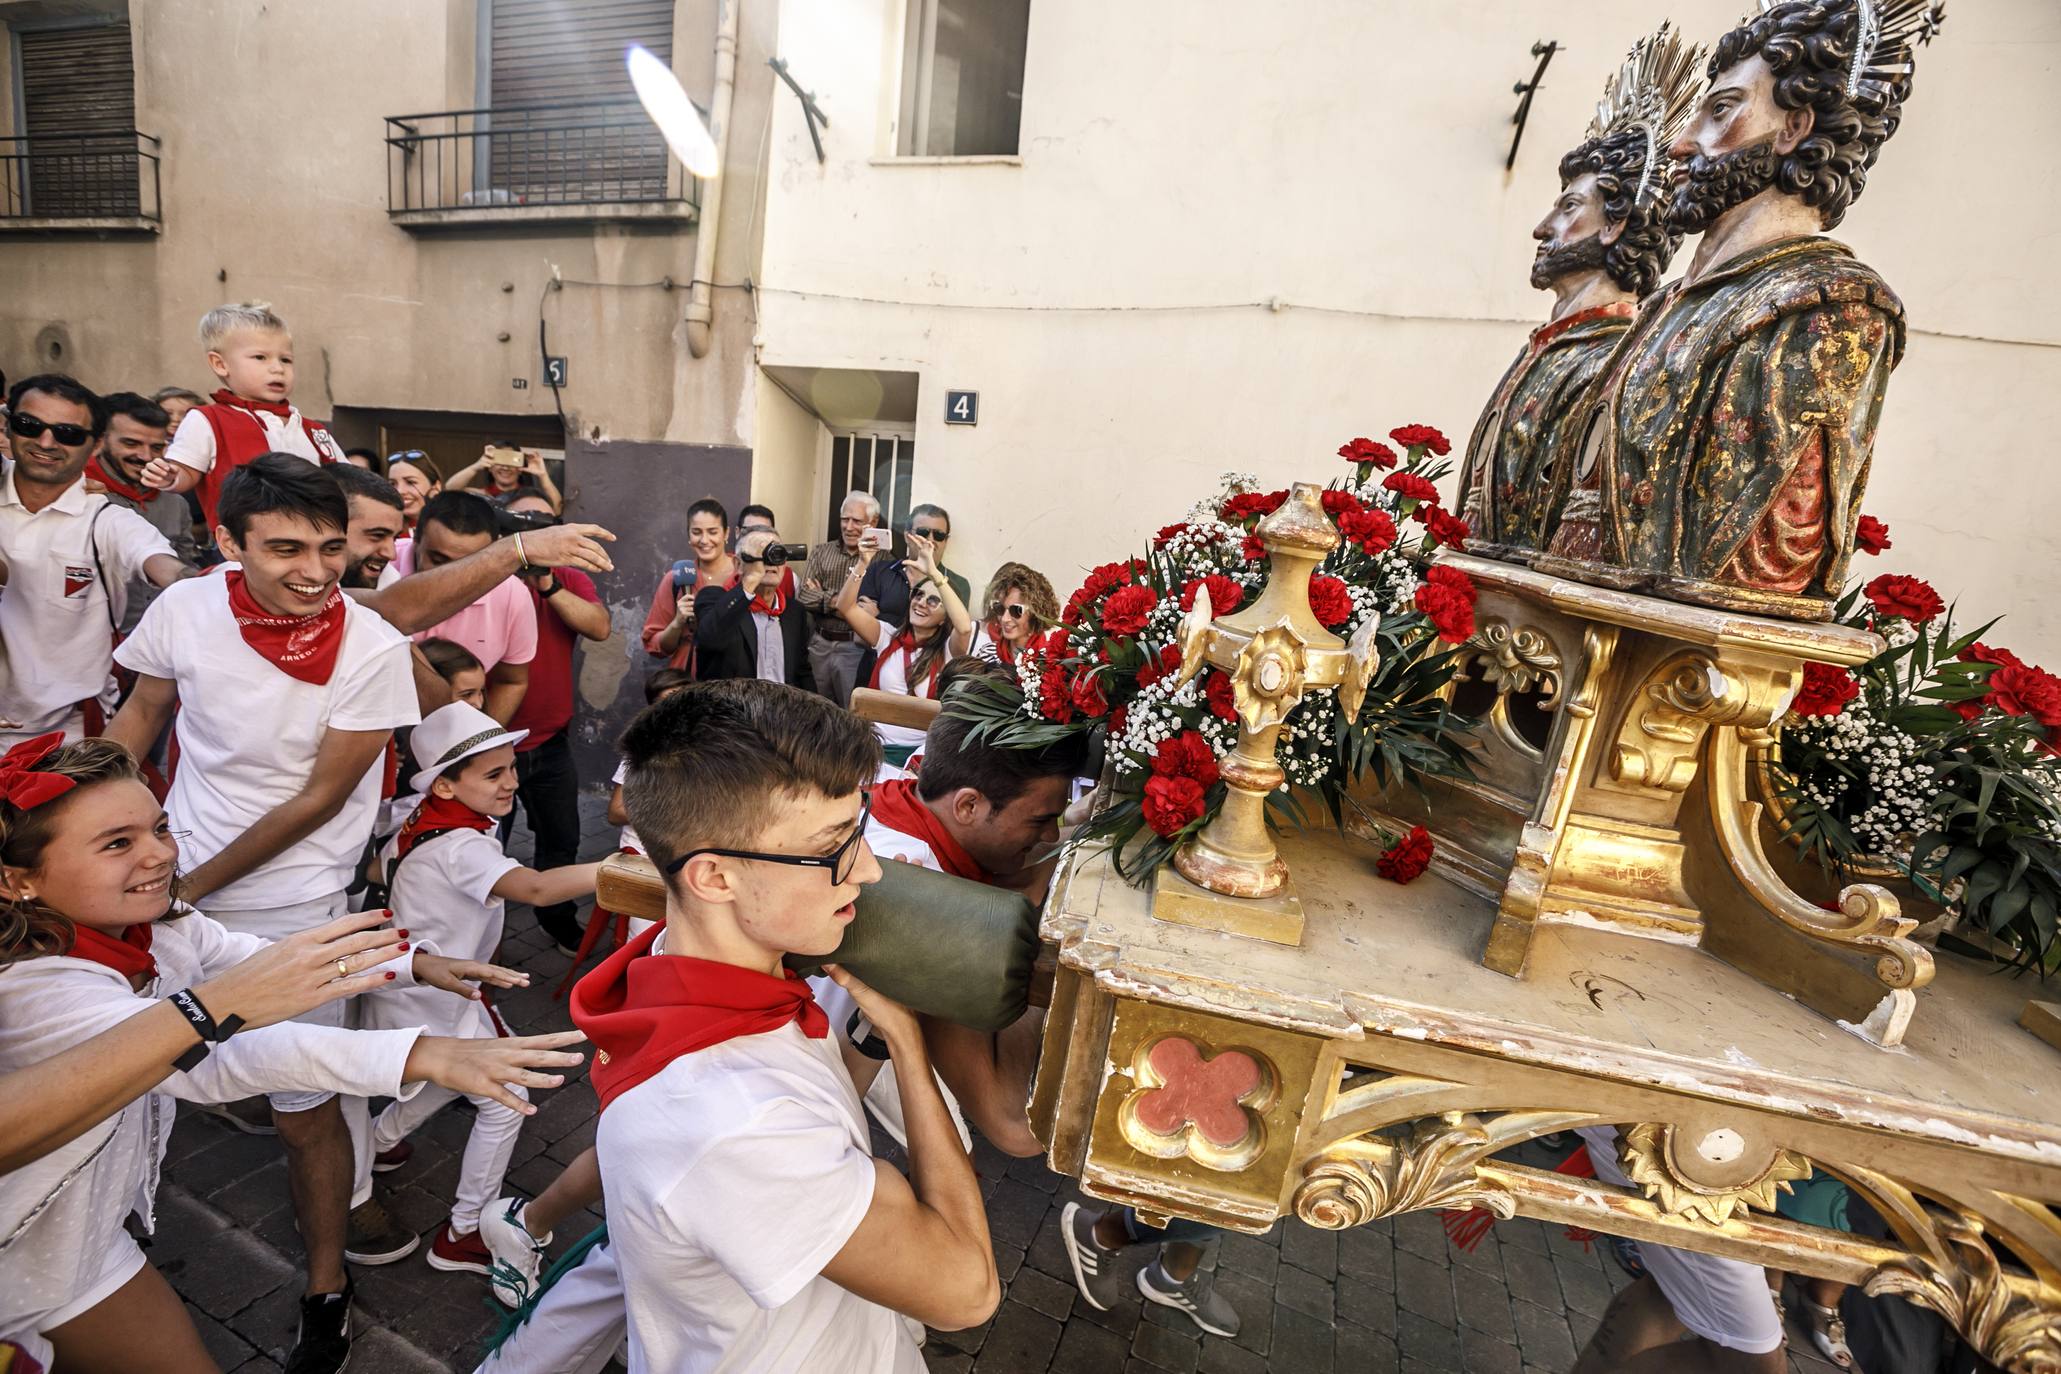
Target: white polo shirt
68	584
193	445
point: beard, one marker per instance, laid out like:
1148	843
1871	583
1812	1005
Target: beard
1583	255
1715	185
356	576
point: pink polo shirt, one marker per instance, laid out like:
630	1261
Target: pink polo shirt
500	627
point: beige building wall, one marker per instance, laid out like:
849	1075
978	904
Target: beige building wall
275	187
1238	234
786	442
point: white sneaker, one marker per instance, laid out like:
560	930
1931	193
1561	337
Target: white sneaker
518	1256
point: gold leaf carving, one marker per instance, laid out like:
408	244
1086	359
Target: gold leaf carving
1644	1152
1434	1166
1518	659
2014	1324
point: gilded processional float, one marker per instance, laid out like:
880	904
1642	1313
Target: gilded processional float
1675	898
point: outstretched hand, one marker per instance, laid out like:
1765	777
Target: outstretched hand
459	975
488	1068
339	958
569	546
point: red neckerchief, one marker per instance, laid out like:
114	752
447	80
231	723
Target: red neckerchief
643	1013
775	606
140	495
896	806
301	646
1005	652
128	956
438	814
229	398
905	642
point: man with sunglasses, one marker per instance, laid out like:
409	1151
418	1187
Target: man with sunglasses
73	556
886	586
752	628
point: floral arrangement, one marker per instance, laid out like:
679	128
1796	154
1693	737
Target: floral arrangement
1936	760
1112	664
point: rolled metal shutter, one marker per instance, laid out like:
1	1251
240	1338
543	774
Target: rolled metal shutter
79	114
550	60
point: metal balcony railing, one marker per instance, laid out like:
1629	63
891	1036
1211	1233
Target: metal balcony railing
87	176
601	154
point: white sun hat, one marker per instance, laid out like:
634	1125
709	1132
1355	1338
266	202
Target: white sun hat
451	734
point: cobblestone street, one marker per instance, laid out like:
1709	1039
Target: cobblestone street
1380	1298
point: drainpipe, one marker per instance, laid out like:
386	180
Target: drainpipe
701	294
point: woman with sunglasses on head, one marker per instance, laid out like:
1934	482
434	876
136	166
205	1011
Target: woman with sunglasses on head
1021	605
908	659
415	479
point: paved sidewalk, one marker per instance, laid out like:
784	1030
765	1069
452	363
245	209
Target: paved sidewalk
1381	1298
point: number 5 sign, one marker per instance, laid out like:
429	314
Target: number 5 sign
962	407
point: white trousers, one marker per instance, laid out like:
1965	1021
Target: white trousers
487	1150
1725	1301
577	1326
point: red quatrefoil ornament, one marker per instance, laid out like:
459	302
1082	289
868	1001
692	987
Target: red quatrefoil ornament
1200	1092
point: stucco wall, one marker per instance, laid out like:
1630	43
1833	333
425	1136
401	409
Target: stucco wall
1184	164
785	442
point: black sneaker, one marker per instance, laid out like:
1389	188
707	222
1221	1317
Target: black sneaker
373	1238
323	1344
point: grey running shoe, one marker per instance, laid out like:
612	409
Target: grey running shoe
1197	1298
518	1256
1090	1261
374	1238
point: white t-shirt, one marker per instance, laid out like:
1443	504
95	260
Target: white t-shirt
894	677
248	734
54	613
193	444
889	844
733	1176
444	893
629	836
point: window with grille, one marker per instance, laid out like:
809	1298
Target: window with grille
882	463
962	78
556	87
78	109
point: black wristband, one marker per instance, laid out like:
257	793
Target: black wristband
204	1025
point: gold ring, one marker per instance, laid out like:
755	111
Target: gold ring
343	969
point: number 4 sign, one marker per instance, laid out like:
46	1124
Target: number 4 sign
962	407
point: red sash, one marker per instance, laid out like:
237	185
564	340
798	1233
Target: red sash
906	643
643	1013
129	955
302	646
896	806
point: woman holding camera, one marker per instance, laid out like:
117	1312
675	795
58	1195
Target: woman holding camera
751	628
908	660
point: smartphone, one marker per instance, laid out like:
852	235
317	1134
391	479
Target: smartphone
511	457
883	539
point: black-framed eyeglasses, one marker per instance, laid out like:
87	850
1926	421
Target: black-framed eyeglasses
29	427
934	535
840	861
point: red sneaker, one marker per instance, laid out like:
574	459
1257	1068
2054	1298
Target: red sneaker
456	1254
386	1161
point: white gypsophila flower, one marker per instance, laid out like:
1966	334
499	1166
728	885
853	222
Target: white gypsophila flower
1229	485
1898	632
1887	770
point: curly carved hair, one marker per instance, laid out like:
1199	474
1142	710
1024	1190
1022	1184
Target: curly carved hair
1809	46
1641	254
32	929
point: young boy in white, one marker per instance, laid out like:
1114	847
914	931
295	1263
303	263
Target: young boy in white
288	692
450	880
93	936
725	1099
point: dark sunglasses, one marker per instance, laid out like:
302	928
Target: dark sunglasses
840	861
935	536
927	599
29	427
407	455
1015	610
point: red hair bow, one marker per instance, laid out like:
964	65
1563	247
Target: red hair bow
21	784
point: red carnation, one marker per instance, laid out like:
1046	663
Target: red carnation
1055	703
1966	710
1372	530
1337	502
1247	504
1222	699
1368	451
1444	526
1985	653
1224	594
2019	689
1407	858
1421	436
1447	598
1186	755
1169	533
1125	611
1156	667
1905	598
1086	694
1825	691
1330	601
1871	535
1254	548
1411	487
1172	804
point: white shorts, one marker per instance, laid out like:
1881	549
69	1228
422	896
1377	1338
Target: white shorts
276	923
1725	1301
120	1262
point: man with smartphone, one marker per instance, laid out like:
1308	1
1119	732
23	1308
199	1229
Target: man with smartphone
885	590
833	652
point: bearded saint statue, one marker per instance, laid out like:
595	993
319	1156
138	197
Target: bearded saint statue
1726	446
1601	247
